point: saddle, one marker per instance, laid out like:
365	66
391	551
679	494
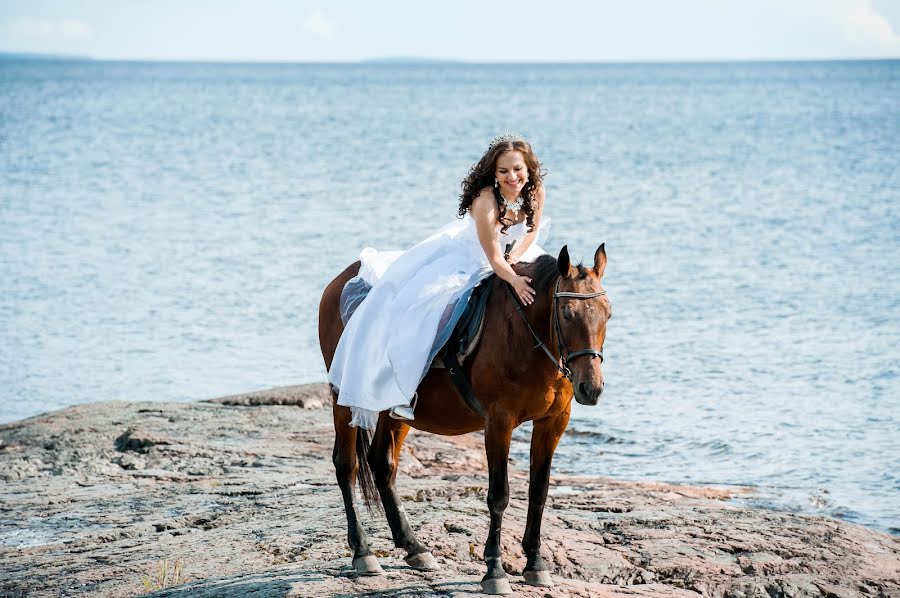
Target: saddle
467	333
464	340
469	324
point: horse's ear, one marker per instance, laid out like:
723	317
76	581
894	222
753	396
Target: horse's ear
563	261
600	260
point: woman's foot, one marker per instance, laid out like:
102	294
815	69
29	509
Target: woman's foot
404	412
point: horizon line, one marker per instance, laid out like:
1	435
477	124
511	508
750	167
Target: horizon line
427	61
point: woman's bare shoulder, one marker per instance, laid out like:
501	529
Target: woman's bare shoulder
484	202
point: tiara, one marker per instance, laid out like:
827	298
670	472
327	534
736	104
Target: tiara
505	138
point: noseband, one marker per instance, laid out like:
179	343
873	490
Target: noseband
565	356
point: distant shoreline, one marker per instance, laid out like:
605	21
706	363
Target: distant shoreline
424	61
11	56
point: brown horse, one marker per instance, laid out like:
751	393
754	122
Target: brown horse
513	379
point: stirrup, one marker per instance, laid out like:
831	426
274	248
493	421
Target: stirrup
405	412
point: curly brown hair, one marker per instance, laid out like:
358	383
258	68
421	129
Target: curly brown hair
482	174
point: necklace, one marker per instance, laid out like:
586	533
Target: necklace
515	206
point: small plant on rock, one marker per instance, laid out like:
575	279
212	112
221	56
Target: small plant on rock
165	576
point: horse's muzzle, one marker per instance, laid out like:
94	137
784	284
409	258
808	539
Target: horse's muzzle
587	393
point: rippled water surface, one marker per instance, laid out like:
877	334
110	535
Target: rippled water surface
166	230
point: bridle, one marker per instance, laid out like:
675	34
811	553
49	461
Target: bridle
565	356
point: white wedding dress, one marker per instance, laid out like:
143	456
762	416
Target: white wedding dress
404	306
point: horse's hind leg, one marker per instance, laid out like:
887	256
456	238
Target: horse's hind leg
346	467
384	456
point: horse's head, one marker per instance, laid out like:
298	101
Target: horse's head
581	311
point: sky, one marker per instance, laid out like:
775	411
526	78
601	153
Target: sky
466	30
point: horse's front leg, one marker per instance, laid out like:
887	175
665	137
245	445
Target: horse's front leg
497	435
384	457
544	439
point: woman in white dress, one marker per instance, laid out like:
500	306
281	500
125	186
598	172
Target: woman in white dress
402	306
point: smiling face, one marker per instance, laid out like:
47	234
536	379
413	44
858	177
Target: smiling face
512	173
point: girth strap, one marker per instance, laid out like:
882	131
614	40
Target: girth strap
458	376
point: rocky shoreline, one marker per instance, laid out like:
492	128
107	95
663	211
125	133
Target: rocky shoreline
240	493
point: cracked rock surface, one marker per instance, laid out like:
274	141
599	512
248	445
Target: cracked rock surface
240	492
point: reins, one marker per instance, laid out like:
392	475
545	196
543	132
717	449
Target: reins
562	362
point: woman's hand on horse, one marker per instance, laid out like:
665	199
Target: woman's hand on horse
523	289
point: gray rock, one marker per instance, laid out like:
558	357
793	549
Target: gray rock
240	493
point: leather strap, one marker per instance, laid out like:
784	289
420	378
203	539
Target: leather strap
458	376
562	370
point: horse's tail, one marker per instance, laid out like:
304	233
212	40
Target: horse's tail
364	474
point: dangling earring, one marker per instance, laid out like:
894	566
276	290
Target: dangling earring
496	182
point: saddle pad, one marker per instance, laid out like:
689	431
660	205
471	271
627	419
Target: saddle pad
467	333
469	323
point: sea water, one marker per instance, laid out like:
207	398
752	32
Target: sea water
166	230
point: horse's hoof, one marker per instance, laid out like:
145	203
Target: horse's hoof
367	565
538	578
424	561
496	586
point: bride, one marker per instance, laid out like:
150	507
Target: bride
402	306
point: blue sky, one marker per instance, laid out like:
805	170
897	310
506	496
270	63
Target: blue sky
526	30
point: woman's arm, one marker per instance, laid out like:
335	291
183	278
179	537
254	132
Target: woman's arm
484	211
520	248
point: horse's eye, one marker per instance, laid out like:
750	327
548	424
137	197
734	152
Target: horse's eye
567	314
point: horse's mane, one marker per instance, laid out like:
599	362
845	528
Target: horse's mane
544	271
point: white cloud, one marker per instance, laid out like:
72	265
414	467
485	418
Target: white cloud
860	23
856	21
69	29
74	29
319	25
